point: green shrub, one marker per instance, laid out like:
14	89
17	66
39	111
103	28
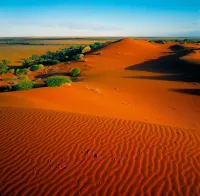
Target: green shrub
96	45
27	61
21	71
55	61
36	67
12	71
4	66
51	62
23	77
35	57
75	72
77	57
57	81
86	49
24	84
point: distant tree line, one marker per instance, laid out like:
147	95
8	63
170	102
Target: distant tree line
181	41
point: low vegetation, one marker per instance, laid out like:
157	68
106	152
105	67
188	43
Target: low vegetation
36	67
75	72
158	41
62	55
96	45
4	66
21	71
24	84
181	41
12	71
77	57
86	49
37	62
57	81
25	77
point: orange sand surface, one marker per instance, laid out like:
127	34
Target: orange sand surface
131	126
17	53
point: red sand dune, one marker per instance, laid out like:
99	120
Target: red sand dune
130	128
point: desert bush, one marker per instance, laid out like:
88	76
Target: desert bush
36	67
77	57
24	84
57	81
27	61
75	72
12	71
4	66
159	41
62	55
53	62
96	45
86	49
99	53
109	42
35	57
25	77
21	71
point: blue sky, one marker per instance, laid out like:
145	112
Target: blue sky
99	17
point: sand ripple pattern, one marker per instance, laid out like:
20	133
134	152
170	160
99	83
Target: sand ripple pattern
45	152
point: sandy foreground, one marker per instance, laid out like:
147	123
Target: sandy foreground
131	126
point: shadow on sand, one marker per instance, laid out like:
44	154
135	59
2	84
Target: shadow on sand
187	91
44	76
171	66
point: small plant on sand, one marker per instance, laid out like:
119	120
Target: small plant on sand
36	67
75	72
4	66
77	57
24	84
21	71
27	61
54	62
86	49
35	57
57	81
100	53
96	45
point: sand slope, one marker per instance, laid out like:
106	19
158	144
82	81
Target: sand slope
45	152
